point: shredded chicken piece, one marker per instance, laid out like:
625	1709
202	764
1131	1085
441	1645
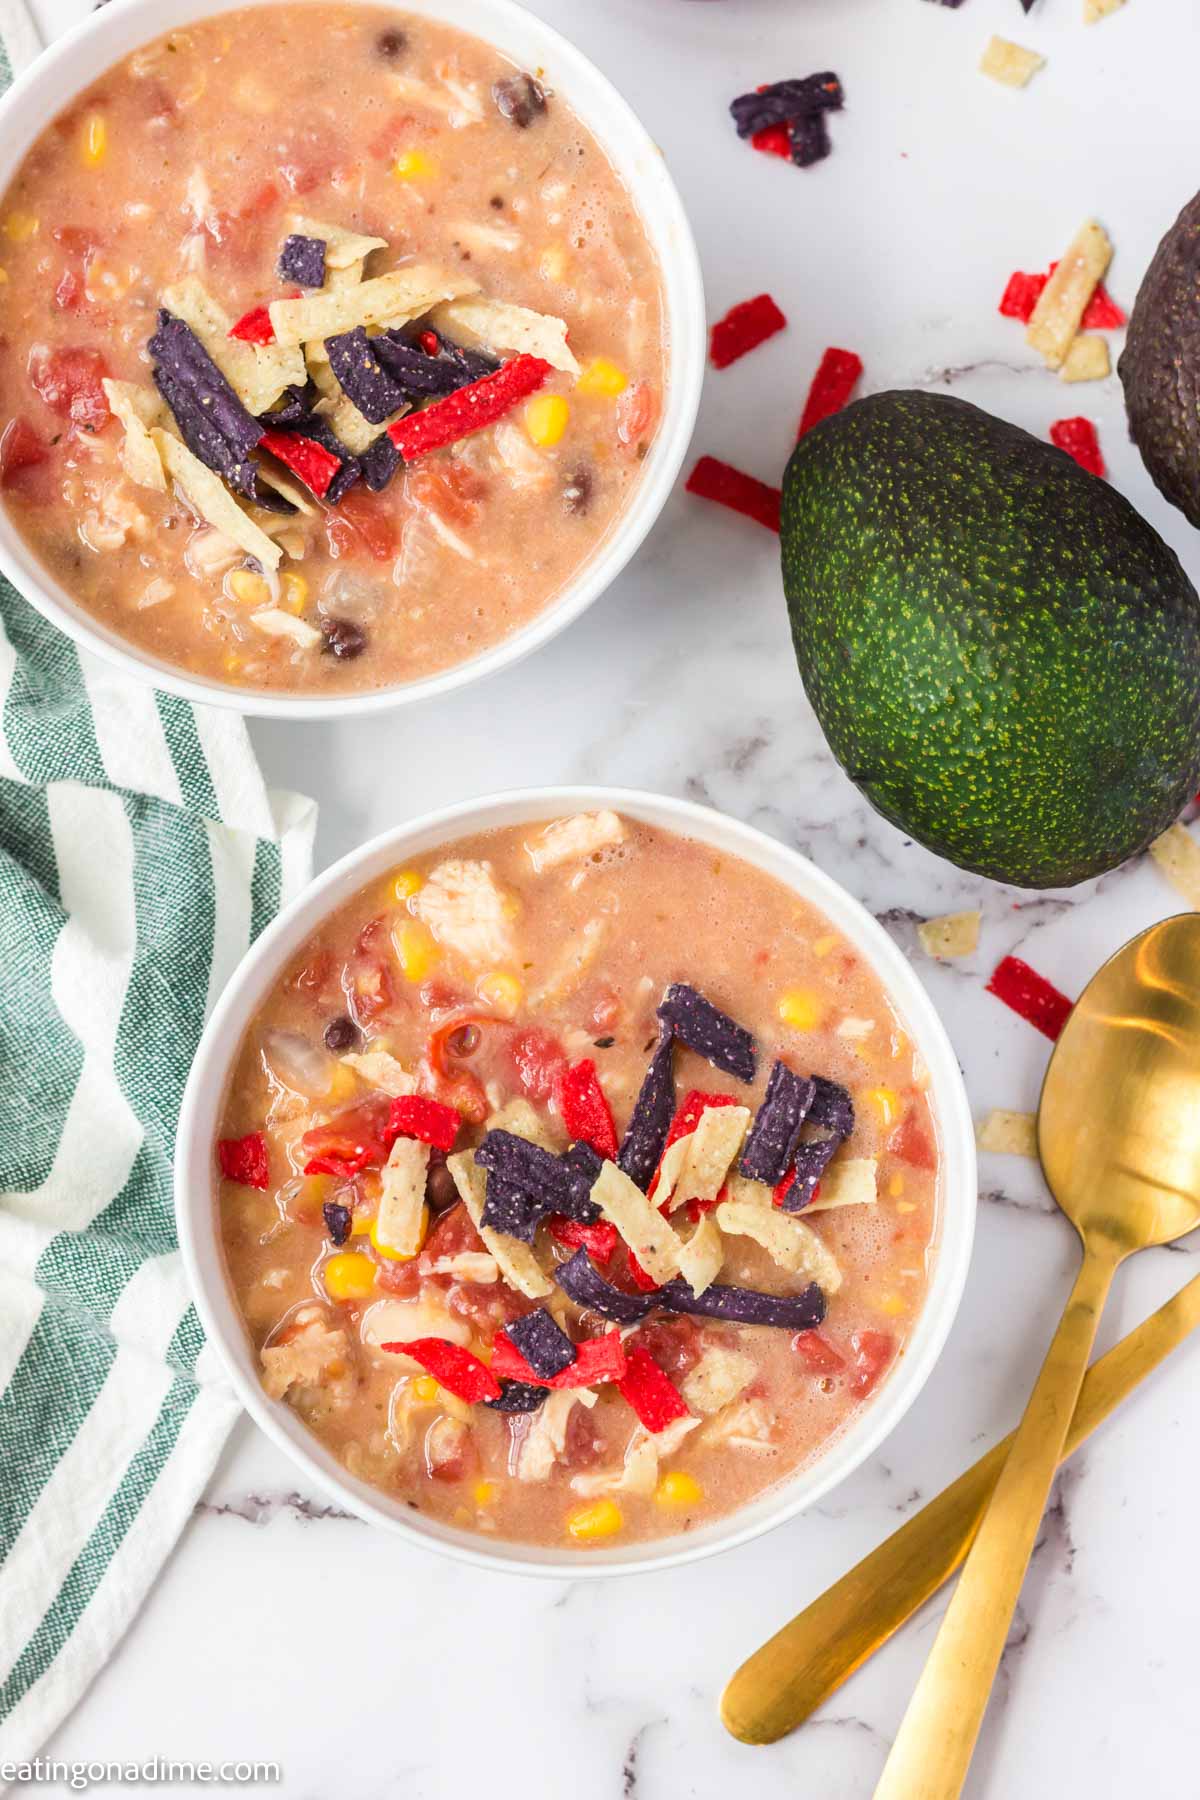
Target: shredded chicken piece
309	1354
546	1438
717	1379
466	912
566	840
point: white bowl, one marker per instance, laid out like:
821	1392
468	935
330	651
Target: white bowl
199	1121
111	33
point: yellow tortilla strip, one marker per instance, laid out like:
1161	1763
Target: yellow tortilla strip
515	1260
1055	319
1087	359
274	477
402	1201
711	1150
497	326
137	408
1177	857
701	1255
382	1070
257	373
1009	1133
849	1182
519	1117
785	1237
1010	63
640	1223
209	496
1095	10
394	298
343	248
953	934
352	427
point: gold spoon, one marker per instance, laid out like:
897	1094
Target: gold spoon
1122	1155
1118	1139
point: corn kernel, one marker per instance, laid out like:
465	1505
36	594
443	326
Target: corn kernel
800	1009
93	141
349	1276
887	1100
19	227
892	1304
425	1388
600	1520
406	884
602	377
546	417
414	165
315	1190
3	277
906	1206
553	263
400	1255
896	1186
233	665
501	991
416	950
484	1493
361	1224
823	945
678	1488
249	588
342	1082
295	591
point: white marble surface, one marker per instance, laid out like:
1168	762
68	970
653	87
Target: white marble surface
279	1631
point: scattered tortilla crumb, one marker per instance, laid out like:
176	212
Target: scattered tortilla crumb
1009	1133
952	934
1056	317
1010	63
1087	359
1177	855
1095	10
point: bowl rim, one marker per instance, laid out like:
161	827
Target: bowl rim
196	1213
47	86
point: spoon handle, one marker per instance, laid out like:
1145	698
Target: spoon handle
794	1672
933	1748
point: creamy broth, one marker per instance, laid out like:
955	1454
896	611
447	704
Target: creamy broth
485	971
174	182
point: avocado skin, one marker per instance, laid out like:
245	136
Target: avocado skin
1003	654
1160	365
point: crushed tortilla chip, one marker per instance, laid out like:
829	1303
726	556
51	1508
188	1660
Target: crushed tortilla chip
711	1150
390	299
1087	359
515	1260
208	496
850	1182
1055	319
717	1379
381	1070
1095	10
352	427
278	623
639	1222
402	1201
951	934
1009	1133
785	1237
1177	856
137	408
257	373
520	1118
476	1267
702	1255
494	325
1010	63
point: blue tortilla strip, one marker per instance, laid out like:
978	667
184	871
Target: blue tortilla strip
782	102
518	1397
362	376
543	1343
810	140
302	259
474	364
831	1107
582	1165
711	1033
644	1142
746	1306
178	354
269	498
338	1220
295	404
511	1209
379	462
537	1172
422	375
582	1282
773	1136
833	1111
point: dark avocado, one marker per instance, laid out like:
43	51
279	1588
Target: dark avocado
1003	654
1160	365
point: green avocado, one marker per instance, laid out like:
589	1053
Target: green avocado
1160	365
1003	654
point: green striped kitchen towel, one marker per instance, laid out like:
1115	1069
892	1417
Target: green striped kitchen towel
139	856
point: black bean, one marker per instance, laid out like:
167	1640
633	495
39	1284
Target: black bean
391	45
577	494
440	1190
344	638
463	1041
338	1220
520	99
604	1043
341	1034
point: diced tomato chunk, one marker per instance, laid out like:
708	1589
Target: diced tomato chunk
68	382
354	1136
540	1062
912	1143
362	521
817	1353
675	1344
451	1235
873	1351
20	448
582	1444
450	1452
636	410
